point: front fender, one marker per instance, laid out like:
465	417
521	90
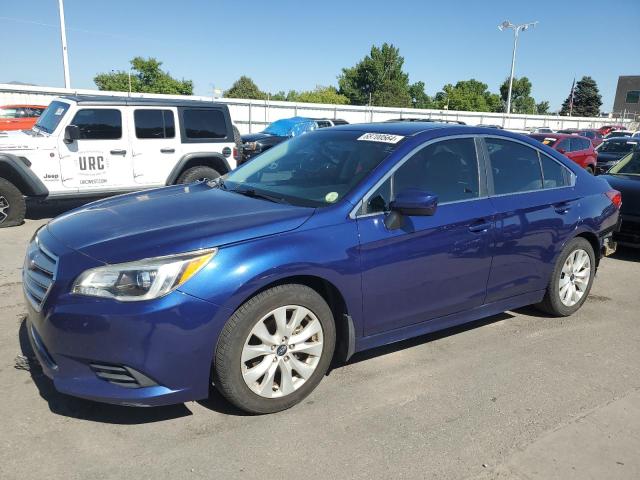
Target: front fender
239	271
17	172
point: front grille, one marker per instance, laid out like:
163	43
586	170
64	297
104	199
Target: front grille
121	375
38	274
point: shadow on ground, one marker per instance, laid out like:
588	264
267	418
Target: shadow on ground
627	254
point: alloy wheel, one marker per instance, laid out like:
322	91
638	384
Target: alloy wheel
4	208
574	277
282	351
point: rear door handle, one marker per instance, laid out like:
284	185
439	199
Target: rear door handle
167	150
562	207
118	152
480	227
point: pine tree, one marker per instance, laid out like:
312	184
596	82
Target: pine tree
586	99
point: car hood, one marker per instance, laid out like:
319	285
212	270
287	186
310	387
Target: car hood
629	186
171	220
255	137
24	140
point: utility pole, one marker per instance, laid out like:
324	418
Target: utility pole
63	37
516	30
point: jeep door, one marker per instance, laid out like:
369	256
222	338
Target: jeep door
155	149
100	159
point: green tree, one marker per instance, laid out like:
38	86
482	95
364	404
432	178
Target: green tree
586	99
244	87
419	98
521	99
378	78
469	95
146	77
542	108
319	95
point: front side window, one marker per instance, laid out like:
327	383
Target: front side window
98	123
515	167
154	124
204	123
316	169
448	169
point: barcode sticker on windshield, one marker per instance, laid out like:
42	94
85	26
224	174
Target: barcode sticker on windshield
380	137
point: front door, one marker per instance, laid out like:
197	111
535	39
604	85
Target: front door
433	265
154	146
101	158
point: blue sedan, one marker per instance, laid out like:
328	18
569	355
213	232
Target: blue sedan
328	244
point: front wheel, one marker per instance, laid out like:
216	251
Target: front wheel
571	279
275	349
12	205
200	173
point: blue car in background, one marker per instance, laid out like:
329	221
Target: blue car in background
330	243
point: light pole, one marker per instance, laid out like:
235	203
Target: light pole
516	30
63	37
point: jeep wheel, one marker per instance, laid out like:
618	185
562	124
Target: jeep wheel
196	174
12	205
275	349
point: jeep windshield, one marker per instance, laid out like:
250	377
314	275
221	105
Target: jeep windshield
51	117
314	170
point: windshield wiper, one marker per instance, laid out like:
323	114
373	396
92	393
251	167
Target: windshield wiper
250	192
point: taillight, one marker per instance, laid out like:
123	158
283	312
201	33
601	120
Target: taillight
235	153
616	198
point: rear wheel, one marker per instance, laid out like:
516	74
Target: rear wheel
12	205
571	279
200	173
275	349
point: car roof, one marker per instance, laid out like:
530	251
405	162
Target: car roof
397	128
136	101
557	135
626	139
23	105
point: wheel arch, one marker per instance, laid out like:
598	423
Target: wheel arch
15	170
205	159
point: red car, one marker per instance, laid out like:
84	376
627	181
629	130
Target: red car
609	128
19	117
592	134
577	148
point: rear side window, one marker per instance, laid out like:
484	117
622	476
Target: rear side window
555	175
448	168
515	167
204	123
154	124
98	123
564	145
579	144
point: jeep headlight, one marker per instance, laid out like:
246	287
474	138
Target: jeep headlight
144	279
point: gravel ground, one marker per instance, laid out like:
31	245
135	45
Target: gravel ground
516	396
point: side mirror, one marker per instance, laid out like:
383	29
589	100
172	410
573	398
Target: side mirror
71	133
415	202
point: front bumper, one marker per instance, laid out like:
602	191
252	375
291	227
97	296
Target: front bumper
148	353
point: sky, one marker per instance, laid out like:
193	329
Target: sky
298	45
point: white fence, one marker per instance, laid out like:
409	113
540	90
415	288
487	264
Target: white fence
254	115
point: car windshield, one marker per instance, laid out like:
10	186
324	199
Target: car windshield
314	170
617	146
290	127
549	141
51	117
629	165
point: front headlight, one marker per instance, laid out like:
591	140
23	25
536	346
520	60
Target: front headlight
143	279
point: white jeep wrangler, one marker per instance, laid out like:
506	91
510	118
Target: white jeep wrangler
92	146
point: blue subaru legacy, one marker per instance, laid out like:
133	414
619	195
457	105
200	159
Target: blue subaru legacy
331	243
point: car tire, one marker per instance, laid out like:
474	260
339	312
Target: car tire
269	374
12	205
196	174
237	138
569	278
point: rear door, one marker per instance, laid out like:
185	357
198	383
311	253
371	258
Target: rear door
433	265
155	147
537	212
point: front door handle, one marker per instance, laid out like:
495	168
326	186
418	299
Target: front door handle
480	227
167	150
118	152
